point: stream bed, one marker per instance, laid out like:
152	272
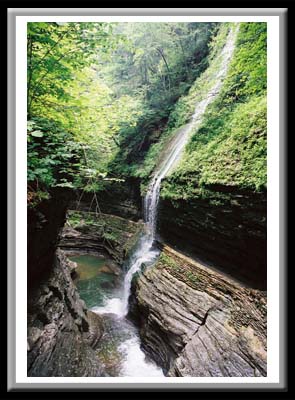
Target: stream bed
121	353
103	292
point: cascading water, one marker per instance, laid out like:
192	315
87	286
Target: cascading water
145	252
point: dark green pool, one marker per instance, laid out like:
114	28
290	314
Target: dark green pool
95	279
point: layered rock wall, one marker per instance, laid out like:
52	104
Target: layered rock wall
197	322
99	233
62	333
122	199
226	227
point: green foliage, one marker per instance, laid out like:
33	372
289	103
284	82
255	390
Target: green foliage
247	74
166	260
105	91
184	108
105	99
230	146
162	61
193	278
72	114
55	51
49	153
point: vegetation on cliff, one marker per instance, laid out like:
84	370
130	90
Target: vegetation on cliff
114	104
104	100
100	93
230	146
114	231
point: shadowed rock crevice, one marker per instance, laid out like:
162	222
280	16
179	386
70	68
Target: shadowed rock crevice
226	229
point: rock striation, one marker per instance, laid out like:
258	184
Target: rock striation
225	226
118	198
104	233
62	333
197	322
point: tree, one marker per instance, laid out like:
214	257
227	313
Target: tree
55	52
96	92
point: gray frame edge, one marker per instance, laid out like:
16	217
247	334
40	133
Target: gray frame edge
11	194
11	142
282	193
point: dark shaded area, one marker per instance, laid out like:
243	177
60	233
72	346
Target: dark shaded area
231	233
44	223
122	199
62	333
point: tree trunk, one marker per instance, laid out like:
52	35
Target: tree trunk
160	51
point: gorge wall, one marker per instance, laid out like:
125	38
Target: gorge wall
227	227
197	322
44	221
62	333
196	318
122	199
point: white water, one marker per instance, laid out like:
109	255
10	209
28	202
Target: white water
135	361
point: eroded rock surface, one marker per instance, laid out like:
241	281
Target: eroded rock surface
197	322
96	234
226	227
62	333
118	198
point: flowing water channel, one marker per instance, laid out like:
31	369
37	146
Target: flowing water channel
119	348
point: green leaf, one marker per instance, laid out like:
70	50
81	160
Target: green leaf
65	185
37	133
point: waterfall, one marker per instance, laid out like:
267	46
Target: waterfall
146	252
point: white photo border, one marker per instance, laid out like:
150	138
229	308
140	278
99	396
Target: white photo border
17	368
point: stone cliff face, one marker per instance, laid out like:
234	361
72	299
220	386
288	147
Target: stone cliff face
227	227
103	233
45	221
193	320
122	199
62	333
196	322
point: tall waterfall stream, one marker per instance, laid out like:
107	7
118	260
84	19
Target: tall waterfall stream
133	361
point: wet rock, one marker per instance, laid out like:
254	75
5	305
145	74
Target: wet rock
105	269
94	332
226	227
102	234
61	332
197	322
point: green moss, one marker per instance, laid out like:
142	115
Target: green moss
193	278
182	271
230	146
141	144
167	261
184	108
113	229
